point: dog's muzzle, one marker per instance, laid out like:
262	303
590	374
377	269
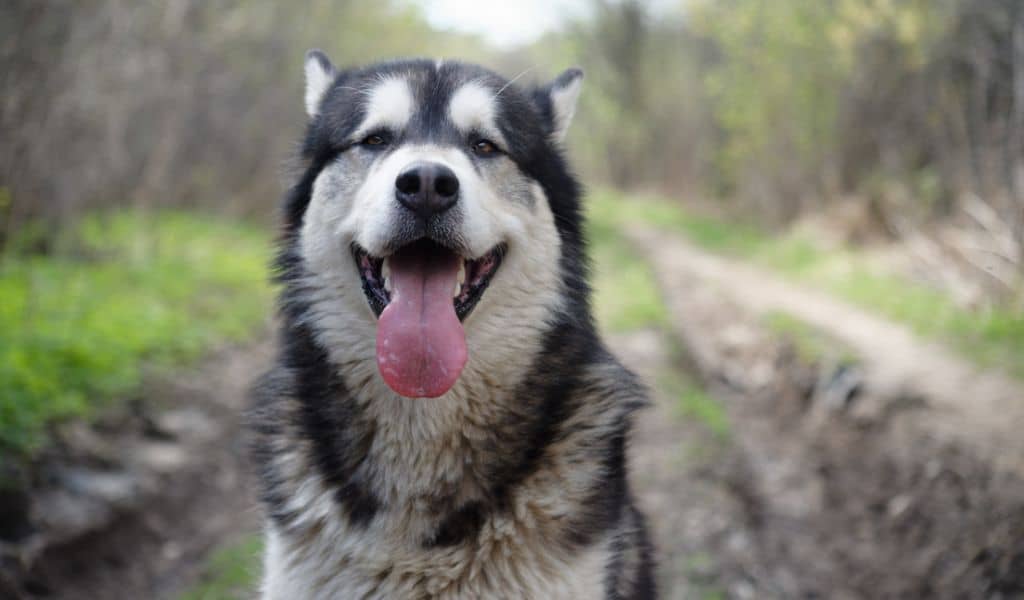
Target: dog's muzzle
424	284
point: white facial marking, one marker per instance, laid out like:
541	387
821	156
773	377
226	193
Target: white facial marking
472	107
389	104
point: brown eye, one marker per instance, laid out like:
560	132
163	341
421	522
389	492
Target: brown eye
374	140
485	147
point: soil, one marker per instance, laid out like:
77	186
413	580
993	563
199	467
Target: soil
899	477
896	477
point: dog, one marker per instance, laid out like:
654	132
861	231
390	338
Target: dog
442	419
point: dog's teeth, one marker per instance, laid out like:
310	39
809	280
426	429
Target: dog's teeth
387	284
385	269
462	274
457	290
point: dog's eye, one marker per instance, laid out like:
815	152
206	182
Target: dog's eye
485	147
375	140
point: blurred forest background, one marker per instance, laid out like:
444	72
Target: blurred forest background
912	111
872	150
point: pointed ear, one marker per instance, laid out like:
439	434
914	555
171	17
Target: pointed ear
562	94
320	74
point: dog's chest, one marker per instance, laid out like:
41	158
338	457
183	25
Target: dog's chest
433	536
511	556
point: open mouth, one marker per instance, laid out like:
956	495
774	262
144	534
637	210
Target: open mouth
420	294
472	278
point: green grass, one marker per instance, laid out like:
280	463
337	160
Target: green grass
231	573
133	292
614	208
626	295
990	336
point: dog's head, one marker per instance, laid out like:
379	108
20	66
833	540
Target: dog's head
436	209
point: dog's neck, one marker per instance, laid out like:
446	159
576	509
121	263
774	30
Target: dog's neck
428	448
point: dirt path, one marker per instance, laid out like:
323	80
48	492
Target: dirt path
810	498
980	409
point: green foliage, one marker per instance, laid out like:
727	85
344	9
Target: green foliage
231	572
141	290
775	85
810	96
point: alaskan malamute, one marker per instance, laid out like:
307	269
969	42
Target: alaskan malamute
442	420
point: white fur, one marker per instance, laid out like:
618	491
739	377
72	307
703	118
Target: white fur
563	101
472	108
390	104
311	572
318	80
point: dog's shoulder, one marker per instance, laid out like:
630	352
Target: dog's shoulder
608	394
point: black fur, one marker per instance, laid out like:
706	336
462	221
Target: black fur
459	527
304	397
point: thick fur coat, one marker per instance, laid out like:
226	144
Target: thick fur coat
513	483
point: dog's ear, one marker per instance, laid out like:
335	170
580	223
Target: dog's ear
320	74
557	101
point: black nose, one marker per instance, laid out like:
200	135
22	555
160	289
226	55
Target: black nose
427	188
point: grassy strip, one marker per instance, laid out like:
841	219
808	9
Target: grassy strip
230	573
992	336
626	295
137	291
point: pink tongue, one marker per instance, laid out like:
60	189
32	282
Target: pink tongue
421	347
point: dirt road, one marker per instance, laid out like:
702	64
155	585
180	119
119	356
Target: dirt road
907	487
980	409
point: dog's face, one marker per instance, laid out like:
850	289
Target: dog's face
429	219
